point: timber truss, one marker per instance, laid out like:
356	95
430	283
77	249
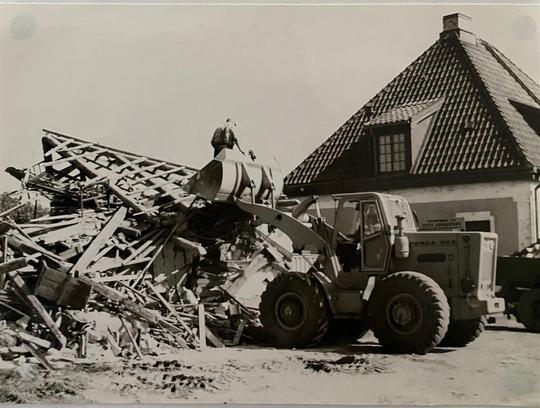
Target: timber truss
92	174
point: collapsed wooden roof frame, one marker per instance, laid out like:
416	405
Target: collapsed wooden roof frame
142	183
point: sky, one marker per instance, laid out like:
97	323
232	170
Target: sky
157	80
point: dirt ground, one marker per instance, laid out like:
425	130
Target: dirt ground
500	368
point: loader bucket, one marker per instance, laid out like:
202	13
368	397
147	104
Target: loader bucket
231	175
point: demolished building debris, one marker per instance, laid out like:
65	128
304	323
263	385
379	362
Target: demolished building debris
128	260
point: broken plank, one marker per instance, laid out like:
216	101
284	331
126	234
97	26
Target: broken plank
129	230
215	340
26	245
168	307
13	309
115	348
151	316
72	252
117	264
104	235
115	278
40	357
29	338
10	210
12	265
126	328
4	260
239	332
26	296
55	217
59	235
187	244
202	328
44	228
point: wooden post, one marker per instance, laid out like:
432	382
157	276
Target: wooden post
202	328
239	332
4	260
137	349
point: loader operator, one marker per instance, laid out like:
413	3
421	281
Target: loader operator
224	138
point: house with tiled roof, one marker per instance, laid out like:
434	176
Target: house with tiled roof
457	133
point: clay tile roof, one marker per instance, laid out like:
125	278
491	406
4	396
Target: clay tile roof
400	114
477	127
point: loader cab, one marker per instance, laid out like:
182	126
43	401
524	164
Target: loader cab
365	225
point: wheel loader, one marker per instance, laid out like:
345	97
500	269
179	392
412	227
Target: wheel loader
369	268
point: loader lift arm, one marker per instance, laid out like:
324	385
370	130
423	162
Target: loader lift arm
301	235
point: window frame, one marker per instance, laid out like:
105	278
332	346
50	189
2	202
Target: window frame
378	134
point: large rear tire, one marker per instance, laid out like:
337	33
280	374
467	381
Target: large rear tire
409	313
462	332
528	310
294	310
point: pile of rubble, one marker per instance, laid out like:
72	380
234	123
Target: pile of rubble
127	260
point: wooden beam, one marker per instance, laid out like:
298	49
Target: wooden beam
12	265
103	237
115	278
239	332
169	308
54	217
213	338
31	300
40	357
4	260
92	173
26	245
151	316
202	328
24	335
187	244
126	328
160	174
9	211
44	228
57	147
114	174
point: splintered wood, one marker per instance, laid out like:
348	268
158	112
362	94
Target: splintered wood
125	238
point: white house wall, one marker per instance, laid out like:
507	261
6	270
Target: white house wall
510	204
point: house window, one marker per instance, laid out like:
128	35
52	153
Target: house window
392	153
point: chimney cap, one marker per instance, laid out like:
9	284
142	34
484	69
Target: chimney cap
457	21
458	25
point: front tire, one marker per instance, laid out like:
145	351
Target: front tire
528	310
409	313
294	311
462	332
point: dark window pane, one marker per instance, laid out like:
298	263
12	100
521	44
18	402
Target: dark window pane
392	153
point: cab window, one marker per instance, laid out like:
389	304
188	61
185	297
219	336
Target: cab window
348	221
371	219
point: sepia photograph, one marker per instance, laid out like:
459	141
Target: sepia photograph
270	203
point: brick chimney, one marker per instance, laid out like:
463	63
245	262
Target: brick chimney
458	25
